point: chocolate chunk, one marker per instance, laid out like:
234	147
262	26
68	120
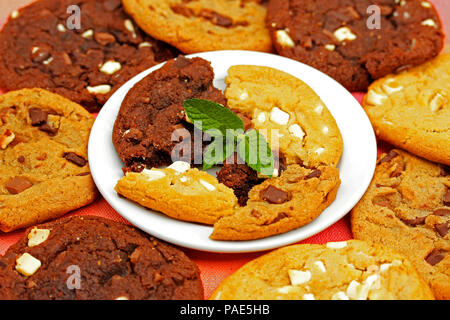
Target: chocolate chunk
76	159
398	170
313	174
49	129
21	159
18	184
182	10
391	155
445	171
442	212
382	201
435	257
83	174
279	217
442	228
104	38
447	198
38	117
414	222
274	195
221	20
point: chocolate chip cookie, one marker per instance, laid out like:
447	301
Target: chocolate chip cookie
83	50
91	258
356	41
407	208
204	25
411	110
44	171
352	270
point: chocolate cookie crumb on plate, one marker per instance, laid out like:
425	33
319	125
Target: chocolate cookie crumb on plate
341	39
39	47
92	258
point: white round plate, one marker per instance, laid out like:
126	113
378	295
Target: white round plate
356	167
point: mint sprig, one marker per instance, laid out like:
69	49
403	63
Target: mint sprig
227	131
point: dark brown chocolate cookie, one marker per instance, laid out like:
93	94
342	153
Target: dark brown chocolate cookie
42	46
153	109
342	37
95	258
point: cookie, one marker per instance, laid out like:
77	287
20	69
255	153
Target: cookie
203	25
43	158
91	258
179	192
407	208
288	112
282	204
356	41
411	110
43	45
352	270
153	111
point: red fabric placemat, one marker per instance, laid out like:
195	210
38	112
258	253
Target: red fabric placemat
214	266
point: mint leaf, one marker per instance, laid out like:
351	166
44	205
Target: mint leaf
212	115
255	151
215	152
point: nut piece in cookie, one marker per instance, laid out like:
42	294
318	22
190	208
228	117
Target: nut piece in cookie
92	258
46	162
406	208
203	25
411	110
357	271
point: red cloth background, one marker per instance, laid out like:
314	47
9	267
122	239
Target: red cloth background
214	267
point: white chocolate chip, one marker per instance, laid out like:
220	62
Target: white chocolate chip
397	263
130	27
285	289
88	34
153	175
353	290
284	39
122	298
319	151
406	15
298	277
6	138
48	61
207	185
243	95
375	98
385	267
34	49
180	166
330	47
390	89
437	102
339	296
429	23
344	33
183	179
60	27
15	14
145	44
275	173
37	236
261	117
320	266
425	4
110	67
337	244
297	131
101	89
308	296
325	129
279	116
319	109
27	265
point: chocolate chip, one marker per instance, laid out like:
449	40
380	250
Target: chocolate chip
314	174
48	129
38	116
21	159
414	222
445	171
447	198
274	195
182	10
18	184
279	217
435	257
391	155
76	159
382	201
104	38
442	228
442	212
83	174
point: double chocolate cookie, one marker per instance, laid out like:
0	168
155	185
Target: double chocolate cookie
83	50
356	41
91	258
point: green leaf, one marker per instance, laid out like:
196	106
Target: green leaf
218	150
211	115
255	151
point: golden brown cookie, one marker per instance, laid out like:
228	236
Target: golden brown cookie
411	110
179	192
407	208
44	171
203	25
282	204
352	270
274	100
